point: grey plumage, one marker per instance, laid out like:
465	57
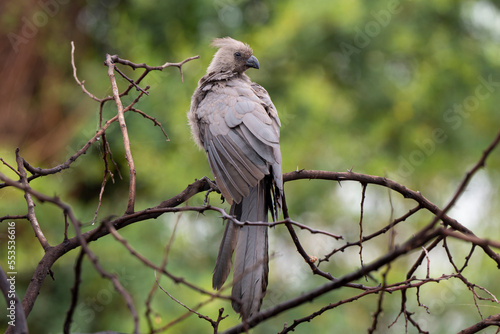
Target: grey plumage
235	122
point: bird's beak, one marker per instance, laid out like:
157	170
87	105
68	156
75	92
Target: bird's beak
252	62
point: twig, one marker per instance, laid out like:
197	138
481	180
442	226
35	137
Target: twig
468	257
182	317
492	320
31	205
373	235
37	171
101	191
471	238
309	260
132	82
468	176
419	303
80	83
154	120
214	323
74	293
448	253
422	256
380	302
10	167
148	68
154	287
226	216
363	195
12	217
392	222
66	226
330	306
126	140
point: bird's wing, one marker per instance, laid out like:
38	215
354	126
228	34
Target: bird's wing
272	112
240	136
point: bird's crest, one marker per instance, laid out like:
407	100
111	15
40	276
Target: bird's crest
228	42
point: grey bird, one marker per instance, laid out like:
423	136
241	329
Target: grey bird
235	122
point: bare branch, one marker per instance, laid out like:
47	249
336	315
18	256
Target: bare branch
132	82
74	293
363	195
309	260
380	302
407	193
10	167
373	235
12	217
80	83
471	238
154	120
148	68
492	320
126	140
214	323
37	171
415	242
31	205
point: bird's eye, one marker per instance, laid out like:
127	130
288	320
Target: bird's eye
237	54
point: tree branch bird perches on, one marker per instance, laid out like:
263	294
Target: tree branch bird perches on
236	123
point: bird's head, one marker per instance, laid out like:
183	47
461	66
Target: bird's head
233	56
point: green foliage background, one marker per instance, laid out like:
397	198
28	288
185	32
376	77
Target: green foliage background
376	86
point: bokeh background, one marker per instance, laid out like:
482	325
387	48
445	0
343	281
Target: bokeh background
403	89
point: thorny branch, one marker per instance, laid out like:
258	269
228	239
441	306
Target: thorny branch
424	240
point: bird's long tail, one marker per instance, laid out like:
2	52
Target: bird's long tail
251	255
